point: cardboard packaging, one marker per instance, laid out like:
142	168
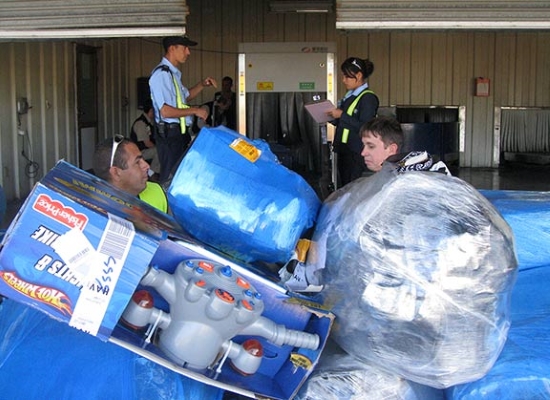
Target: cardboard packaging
78	249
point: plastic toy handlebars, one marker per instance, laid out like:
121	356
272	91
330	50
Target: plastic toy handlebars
209	304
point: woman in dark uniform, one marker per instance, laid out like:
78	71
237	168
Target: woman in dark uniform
359	105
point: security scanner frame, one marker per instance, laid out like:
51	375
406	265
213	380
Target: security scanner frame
275	81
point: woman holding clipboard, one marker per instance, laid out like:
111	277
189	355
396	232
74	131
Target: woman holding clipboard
359	105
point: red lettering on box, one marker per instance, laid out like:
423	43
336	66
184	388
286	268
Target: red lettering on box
59	212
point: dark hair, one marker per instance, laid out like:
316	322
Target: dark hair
228	78
388	129
102	158
147	106
353	65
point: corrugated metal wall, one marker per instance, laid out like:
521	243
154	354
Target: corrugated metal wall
411	68
443	14
35	19
42	72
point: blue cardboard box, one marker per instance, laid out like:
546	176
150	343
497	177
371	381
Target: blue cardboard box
79	248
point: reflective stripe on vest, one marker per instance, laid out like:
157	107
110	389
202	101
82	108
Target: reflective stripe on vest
350	110
179	103
154	195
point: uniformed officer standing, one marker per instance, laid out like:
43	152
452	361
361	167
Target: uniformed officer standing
359	105
173	115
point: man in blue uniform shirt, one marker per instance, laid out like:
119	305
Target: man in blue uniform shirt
173	115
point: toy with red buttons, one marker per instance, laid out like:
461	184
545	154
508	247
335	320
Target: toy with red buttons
210	303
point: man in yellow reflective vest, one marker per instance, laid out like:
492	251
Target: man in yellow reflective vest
173	115
120	162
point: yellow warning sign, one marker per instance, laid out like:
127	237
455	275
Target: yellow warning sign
245	149
264	85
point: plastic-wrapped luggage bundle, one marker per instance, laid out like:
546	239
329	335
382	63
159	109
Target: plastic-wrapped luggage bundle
419	268
339	376
41	358
234	195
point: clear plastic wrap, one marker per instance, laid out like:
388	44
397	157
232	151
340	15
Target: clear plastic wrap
339	376
41	358
419	269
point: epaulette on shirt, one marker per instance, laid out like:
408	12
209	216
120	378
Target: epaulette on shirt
165	68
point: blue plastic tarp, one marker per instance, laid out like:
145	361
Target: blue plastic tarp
41	358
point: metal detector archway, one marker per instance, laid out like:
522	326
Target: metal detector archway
276	80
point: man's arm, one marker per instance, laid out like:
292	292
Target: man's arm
167	111
161	87
195	90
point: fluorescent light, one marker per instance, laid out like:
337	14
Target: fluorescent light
89	33
395	25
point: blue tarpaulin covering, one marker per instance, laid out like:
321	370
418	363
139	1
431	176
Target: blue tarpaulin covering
523	369
41	358
233	194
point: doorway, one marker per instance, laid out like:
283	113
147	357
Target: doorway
522	135
86	94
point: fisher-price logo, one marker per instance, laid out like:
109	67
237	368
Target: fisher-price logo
43	294
57	211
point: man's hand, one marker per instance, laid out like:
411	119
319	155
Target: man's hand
201	112
209	82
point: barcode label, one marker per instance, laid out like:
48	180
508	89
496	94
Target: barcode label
111	255
117	235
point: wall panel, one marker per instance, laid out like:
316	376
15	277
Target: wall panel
400	69
42	72
358	47
480	143
421	69
380	81
505	62
411	68
315	28
46	137
524	90
440	59
274	28
229	32
252	17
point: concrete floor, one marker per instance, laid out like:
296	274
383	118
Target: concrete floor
510	176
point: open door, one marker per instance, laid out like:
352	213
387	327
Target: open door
86	83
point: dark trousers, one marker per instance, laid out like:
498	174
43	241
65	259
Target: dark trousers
351	165
170	148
